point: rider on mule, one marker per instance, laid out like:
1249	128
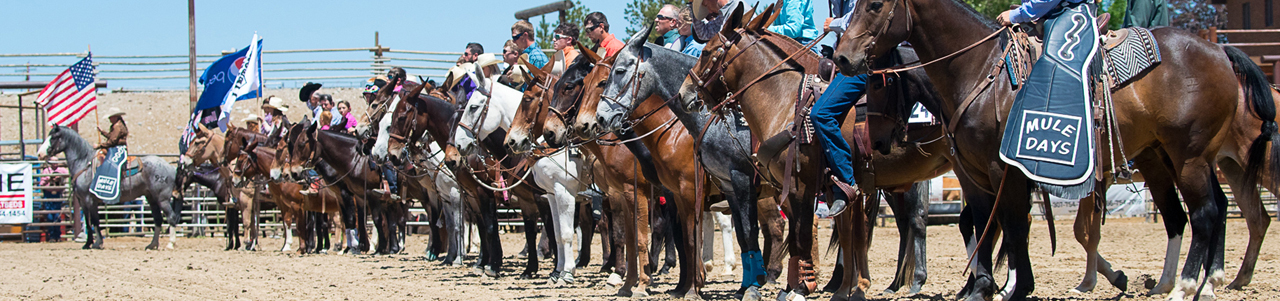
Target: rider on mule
827	113
119	133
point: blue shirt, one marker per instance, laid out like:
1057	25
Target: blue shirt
691	46
1032	10
796	21
536	57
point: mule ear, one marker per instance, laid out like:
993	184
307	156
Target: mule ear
772	15
251	145
636	43
532	72
591	56
750	13
418	90
758	23
734	21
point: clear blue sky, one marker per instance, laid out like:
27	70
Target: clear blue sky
160	28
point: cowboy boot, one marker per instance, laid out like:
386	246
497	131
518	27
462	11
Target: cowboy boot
841	192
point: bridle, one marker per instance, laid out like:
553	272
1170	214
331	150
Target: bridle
883	28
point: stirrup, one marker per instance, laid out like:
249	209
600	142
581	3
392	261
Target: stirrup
849	190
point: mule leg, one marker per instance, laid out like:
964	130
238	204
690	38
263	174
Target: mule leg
981	284
587	225
562	215
1197	184
529	216
774	229
156	221
1013	215
1255	216
90	213
1164	196
1088	226
746	231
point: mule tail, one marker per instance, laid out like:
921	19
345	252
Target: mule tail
1258	91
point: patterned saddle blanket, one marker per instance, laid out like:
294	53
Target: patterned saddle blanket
1130	53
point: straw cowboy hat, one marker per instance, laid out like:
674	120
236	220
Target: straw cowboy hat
699	12
278	104
454	76
113	112
252	118
307	90
487	59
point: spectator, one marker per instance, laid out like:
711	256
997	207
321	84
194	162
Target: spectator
709	17
667	21
686	43
469	55
523	36
566	35
344	107
597	26
1150	13
796	21
53	233
273	114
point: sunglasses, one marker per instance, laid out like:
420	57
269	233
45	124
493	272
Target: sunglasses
593	27
517	36
661	17
562	37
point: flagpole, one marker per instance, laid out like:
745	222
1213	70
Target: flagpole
94	84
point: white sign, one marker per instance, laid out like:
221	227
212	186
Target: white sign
920	115
15	193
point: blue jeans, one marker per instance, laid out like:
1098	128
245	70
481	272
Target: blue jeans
827	114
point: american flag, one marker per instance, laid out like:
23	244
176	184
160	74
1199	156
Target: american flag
71	95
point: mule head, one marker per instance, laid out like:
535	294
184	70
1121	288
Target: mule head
55	142
301	149
875	28
708	80
586	125
625	80
886	120
566	98
532	112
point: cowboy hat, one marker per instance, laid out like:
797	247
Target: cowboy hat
252	118
487	59
307	90
699	12
277	103
454	76
113	112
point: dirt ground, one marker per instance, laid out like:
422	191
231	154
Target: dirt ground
199	269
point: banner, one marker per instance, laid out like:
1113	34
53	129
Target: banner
15	193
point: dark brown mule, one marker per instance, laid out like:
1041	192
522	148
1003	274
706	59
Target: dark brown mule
616	171
894	170
207	148
237	139
1172	122
673	156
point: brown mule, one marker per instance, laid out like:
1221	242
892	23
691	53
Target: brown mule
615	170
256	162
894	170
673	156
1171	121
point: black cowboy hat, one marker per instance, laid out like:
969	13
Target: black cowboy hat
307	90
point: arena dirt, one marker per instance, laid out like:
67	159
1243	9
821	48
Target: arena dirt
198	270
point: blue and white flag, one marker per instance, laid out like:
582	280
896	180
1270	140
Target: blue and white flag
234	77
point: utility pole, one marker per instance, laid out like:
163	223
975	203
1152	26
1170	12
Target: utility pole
191	55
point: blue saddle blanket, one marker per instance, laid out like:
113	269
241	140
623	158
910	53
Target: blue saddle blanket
106	181
1049	132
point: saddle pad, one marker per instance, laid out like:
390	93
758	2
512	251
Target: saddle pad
1130	52
132	166
1049	130
106	180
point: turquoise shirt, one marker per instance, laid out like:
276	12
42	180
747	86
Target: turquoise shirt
536	56
796	21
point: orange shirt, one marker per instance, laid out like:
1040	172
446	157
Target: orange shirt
611	45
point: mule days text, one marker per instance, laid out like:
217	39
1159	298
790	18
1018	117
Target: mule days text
1049	123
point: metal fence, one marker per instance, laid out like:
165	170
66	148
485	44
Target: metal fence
281	68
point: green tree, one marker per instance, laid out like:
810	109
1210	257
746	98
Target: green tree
991	8
1116	9
575	15
640	13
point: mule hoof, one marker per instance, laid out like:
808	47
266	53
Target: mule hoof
490	272
639	294
1238	284
1121	282
528	275
169	246
752	294
614	279
692	295
152	247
